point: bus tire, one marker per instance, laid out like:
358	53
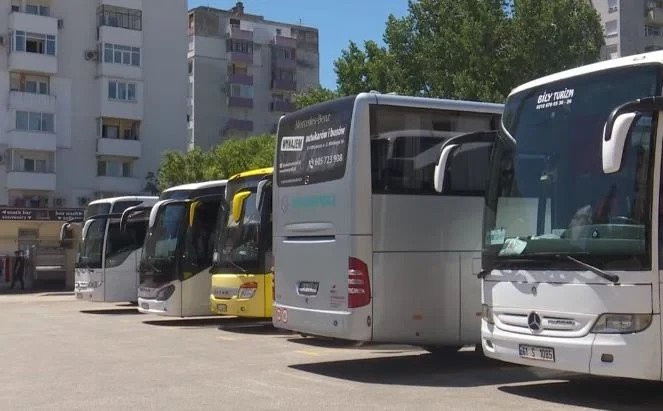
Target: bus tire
442	350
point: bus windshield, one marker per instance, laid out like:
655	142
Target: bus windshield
90	255
121	243
237	248
160	250
549	197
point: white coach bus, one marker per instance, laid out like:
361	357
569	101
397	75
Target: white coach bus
107	262
573	235
365	248
177	255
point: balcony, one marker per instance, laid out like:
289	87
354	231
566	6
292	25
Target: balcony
22	180
118	147
279	62
33	62
238	57
239	125
284	85
240	79
242	102
234	32
129	185
31	140
282	41
32	23
282	106
654	15
20	100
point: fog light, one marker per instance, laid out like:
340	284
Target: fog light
607	358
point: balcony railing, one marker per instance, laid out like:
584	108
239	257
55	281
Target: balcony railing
239	125
282	106
287	85
234	32
31	101
240	102
240	79
238	57
282	41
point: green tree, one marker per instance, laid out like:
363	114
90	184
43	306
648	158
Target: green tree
313	96
472	49
229	158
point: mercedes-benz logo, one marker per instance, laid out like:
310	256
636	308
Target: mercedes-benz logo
534	321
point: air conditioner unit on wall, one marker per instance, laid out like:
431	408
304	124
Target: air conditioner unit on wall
91	55
59	202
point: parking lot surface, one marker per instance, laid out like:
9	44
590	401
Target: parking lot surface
57	353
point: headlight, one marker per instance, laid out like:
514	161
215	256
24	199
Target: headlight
165	293
248	290
487	313
621	323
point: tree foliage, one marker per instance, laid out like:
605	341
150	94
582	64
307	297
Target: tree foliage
313	96
472	49
228	158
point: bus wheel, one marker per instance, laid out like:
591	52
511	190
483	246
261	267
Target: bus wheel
442	350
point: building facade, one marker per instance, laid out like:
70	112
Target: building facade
91	93
630	26
243	71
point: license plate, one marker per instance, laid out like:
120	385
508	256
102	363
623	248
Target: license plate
222	308
534	352
308	288
145	306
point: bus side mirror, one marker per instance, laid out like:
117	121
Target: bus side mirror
192	212
260	191
441	167
613	143
238	204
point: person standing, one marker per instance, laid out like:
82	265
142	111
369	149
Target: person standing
19	269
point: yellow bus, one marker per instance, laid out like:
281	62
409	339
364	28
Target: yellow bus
242	277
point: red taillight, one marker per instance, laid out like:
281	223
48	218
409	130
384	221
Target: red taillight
249	284
359	287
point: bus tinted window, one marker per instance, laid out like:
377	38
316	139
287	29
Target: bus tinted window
406	144
97	209
313	143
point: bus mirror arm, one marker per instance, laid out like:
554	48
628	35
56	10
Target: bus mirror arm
441	167
619	126
483	274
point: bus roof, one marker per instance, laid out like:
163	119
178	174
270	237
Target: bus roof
197	186
629	61
434	103
149	200
251	173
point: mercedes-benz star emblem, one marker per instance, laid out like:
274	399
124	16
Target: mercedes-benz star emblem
534	321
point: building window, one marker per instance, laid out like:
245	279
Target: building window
237	69
284	53
240	46
120	128
121	90
652	31
611	28
34	43
113	168
117	54
29	83
612	51
613	6
38	9
32	165
241	90
121	17
285	75
190	67
33	121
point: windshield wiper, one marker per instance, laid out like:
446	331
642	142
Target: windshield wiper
610	277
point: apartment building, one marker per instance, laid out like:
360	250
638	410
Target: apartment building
91	93
630	26
243	71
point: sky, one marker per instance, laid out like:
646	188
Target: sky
338	22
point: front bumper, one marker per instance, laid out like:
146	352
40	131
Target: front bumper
635	355
240	307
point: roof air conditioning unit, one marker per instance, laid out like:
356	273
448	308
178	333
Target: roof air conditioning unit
90	55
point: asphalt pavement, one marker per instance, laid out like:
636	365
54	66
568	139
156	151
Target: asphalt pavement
60	354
